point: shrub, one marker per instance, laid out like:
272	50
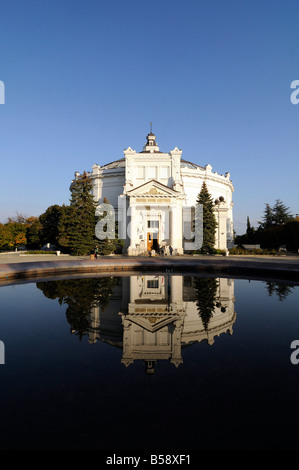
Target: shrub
40	252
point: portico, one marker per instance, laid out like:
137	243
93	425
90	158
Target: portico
156	215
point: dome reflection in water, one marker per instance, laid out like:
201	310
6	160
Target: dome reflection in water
151	362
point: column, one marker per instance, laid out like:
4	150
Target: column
176	229
176	356
132	230
222	228
176	289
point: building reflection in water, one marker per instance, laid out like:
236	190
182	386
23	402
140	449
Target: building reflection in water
152	317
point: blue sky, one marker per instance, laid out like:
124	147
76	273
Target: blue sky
83	79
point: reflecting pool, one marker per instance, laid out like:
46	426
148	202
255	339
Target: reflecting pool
151	362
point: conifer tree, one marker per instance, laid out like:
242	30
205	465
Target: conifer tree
277	215
282	213
249	228
110	243
206	289
209	220
77	221
268	217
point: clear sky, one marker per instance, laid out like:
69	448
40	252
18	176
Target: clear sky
83	79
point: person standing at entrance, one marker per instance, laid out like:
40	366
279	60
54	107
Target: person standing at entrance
170	250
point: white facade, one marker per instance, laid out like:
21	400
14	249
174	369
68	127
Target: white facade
154	188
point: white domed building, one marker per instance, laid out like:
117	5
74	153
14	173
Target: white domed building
156	192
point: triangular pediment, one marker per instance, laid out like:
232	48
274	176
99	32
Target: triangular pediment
153	188
152	323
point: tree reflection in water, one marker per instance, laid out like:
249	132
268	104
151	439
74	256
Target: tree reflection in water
206	292
281	290
80	296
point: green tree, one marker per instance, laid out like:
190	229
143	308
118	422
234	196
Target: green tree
6	237
209	220
268	217
111	242
18	230
277	215
250	229
277	228
50	223
281	212
14	232
33	234
77	221
291	235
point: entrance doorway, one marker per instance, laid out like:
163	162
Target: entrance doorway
152	242
153	235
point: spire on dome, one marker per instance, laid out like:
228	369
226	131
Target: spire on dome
151	144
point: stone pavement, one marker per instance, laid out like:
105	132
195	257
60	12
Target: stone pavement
21	266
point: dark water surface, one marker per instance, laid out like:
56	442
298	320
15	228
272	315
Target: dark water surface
150	363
